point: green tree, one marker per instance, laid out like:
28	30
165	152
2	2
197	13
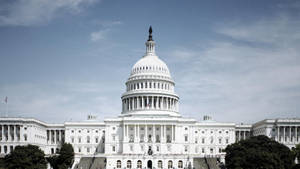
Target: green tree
296	152
258	152
26	157
64	159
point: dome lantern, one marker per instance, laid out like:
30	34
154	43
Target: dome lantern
150	45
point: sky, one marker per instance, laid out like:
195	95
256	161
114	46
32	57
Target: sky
237	61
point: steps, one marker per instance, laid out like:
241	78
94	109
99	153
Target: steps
206	163
91	163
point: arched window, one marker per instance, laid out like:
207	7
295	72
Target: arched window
128	164
180	164
170	164
139	164
159	164
119	164
142	86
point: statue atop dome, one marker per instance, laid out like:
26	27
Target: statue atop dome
150	34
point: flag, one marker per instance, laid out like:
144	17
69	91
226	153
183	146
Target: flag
6	99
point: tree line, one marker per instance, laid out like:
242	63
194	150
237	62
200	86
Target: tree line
32	157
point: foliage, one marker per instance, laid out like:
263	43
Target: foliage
26	157
296	152
258	152
65	158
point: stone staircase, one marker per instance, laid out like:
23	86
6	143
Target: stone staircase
206	163
91	163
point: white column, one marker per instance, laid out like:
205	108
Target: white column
142	106
278	134
50	141
156	103
55	136
152	102
244	135
138	103
283	134
290	134
15	133
295	134
147	102
59	135
161	103
8	133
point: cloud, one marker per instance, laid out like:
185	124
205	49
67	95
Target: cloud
106	28
99	35
234	80
281	30
58	102
35	12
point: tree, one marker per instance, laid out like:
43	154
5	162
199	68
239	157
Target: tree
296	152
65	158
258	152
26	157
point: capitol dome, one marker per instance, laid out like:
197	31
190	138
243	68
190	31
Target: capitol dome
150	65
150	88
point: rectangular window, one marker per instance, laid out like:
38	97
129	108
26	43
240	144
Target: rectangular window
113	148
185	138
203	151
88	149
227	141
203	140
220	141
96	140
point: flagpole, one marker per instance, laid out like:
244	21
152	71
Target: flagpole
6	115
6	102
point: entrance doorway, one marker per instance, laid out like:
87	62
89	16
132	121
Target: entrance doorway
149	164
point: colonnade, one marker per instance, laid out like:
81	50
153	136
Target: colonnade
150	102
55	136
10	133
166	133
149	85
242	134
287	134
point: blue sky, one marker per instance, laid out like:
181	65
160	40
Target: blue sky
238	61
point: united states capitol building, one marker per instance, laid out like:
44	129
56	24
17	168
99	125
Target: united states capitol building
149	132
